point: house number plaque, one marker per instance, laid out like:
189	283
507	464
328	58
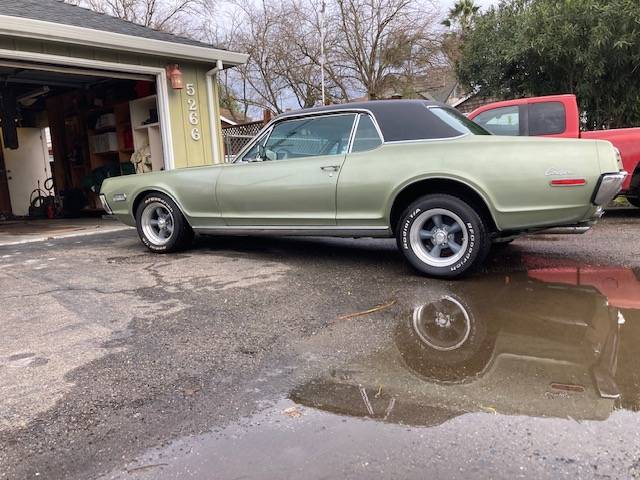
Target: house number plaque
192	105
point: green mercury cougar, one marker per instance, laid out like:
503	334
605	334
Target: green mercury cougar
415	170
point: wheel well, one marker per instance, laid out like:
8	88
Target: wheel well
144	193
440	185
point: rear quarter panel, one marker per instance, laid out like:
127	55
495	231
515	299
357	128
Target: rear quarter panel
510	173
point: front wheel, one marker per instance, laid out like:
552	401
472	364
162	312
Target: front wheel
442	236
161	226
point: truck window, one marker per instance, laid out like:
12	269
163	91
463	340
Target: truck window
547	118
501	121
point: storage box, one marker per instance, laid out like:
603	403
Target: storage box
106	142
107	120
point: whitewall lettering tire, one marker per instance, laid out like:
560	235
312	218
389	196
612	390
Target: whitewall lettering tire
160	224
442	236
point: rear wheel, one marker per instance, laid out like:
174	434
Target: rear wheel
442	236
161	226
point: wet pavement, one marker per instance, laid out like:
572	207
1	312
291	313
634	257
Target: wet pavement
320	358
16	232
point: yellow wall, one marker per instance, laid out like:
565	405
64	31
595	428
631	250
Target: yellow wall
187	151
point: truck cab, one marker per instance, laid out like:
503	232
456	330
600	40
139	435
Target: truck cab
559	116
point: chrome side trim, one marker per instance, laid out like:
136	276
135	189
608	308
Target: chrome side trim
426	140
354	129
307	231
574	230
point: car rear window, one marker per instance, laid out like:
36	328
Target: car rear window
458	121
410	121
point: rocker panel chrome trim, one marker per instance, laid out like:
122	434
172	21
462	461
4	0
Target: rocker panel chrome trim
307	231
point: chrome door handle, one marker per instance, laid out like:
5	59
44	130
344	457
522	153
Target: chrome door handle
330	168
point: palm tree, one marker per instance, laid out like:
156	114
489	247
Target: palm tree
462	13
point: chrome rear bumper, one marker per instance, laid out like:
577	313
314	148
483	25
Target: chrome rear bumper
608	187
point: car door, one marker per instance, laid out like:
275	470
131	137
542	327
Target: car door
289	176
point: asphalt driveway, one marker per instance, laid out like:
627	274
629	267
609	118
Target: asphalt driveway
295	358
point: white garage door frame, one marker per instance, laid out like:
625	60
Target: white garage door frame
86	66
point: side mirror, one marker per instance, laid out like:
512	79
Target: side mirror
266	154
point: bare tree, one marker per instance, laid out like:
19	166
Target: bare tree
385	42
175	16
371	47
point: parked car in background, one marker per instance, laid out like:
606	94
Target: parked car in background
418	171
558	116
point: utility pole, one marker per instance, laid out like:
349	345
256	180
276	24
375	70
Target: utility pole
322	10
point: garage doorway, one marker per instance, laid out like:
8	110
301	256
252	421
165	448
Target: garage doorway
83	126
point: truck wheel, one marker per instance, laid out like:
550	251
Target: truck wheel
161	226
442	236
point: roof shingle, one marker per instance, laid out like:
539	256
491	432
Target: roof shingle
57	11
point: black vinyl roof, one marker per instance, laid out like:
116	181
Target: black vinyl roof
399	120
57	11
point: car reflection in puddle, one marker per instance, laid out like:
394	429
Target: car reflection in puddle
545	343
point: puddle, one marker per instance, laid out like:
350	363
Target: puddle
525	373
545	343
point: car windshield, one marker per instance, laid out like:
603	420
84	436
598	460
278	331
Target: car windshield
458	121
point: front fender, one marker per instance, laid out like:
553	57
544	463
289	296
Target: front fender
192	189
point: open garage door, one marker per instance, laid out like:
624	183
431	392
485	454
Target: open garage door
65	129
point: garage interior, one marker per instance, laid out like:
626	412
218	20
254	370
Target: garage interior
64	130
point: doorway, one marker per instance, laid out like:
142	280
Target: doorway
27	169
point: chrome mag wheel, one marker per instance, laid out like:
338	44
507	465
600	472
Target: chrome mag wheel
157	223
439	237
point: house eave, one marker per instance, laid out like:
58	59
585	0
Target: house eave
69	34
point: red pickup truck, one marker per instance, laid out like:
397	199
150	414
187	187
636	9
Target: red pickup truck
558	116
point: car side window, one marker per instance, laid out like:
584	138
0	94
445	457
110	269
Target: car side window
547	118
501	121
367	137
309	137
